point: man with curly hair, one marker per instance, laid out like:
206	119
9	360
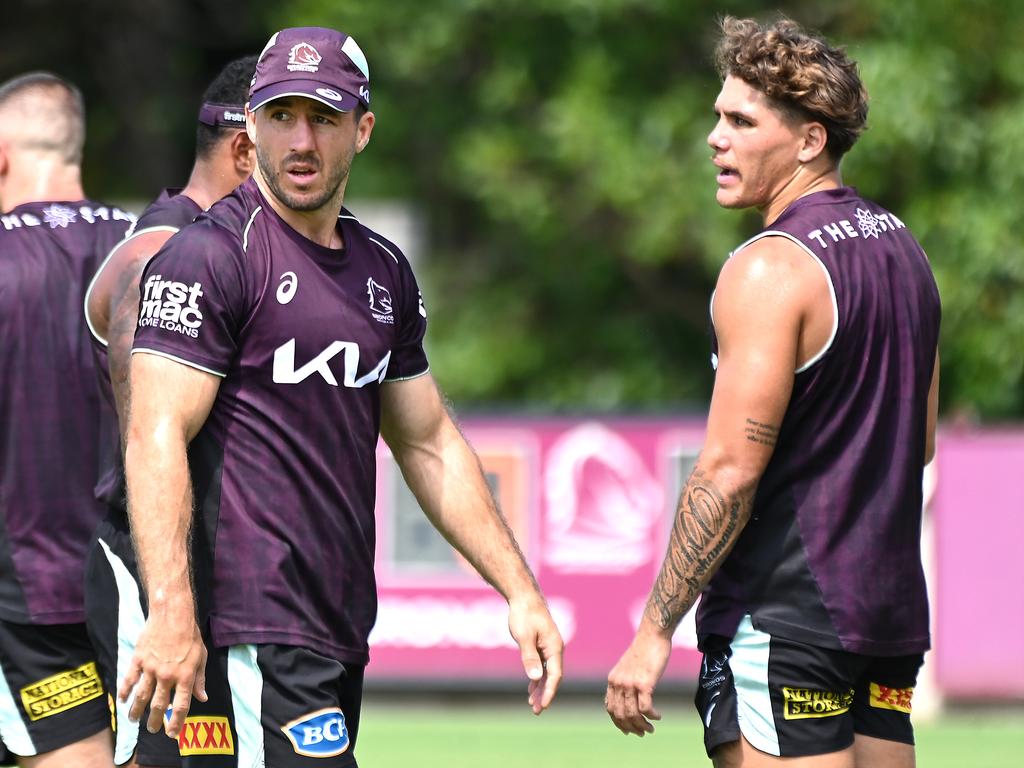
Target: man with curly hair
801	521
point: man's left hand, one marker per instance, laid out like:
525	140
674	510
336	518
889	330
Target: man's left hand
540	645
630	696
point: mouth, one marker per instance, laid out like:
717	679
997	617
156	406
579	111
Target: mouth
301	174
726	174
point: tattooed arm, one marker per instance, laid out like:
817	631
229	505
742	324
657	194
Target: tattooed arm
113	307
772	311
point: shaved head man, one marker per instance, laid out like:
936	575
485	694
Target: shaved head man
53	708
42	133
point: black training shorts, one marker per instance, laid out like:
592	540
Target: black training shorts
790	699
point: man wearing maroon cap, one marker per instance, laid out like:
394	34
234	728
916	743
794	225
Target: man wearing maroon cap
277	338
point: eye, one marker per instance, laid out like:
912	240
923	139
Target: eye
279	114
741	122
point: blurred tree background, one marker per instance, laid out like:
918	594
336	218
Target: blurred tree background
556	153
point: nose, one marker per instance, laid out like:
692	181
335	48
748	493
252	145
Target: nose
716	139
301	138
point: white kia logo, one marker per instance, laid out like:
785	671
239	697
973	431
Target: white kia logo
286	290
327	93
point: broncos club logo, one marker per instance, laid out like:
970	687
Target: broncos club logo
303	57
380	301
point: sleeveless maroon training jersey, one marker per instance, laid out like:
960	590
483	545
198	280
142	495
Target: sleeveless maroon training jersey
832	554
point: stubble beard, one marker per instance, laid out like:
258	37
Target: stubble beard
273	178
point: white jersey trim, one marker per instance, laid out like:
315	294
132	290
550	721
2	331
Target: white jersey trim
183	361
749	665
124	241
408	378
828	279
378	242
12	728
130	621
245	680
245	232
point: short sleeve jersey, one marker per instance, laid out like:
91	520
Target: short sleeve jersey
169	212
49	404
284	468
832	553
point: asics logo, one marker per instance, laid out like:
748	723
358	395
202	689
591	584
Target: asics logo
286	290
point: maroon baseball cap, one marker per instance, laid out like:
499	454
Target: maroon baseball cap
314	62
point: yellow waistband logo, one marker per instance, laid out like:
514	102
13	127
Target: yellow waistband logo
802	703
897	699
61	692
210	735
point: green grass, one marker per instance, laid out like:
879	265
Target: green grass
580	736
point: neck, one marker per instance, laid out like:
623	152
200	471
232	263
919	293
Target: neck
804	182
40	178
320	225
208	183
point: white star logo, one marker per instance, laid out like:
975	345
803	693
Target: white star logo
868	223
58	216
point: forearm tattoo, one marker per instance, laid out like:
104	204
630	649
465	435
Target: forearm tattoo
124	317
759	432
706	526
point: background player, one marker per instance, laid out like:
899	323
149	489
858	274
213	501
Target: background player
804	509
115	607
276	338
53	711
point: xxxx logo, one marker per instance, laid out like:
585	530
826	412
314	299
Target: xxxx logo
897	699
206	736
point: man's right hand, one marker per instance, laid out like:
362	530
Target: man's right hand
169	657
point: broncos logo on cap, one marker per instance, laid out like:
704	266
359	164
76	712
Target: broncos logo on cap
304	55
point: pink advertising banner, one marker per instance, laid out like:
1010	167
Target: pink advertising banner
591	503
978	508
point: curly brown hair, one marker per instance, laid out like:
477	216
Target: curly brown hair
801	73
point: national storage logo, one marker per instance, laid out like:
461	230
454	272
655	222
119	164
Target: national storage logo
171	305
61	692
803	703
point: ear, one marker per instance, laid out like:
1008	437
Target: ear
243	153
363	131
815	137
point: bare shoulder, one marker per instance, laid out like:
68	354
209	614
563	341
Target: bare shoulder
772	270
121	271
135	253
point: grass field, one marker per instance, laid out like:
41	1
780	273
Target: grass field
580	736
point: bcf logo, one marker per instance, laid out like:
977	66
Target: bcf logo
318	734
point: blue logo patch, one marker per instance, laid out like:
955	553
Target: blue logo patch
318	734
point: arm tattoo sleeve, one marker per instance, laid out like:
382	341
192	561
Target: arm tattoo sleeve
706	526
124	317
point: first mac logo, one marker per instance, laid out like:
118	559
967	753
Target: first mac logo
318	734
171	305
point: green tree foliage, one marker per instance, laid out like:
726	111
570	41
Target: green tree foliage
558	151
